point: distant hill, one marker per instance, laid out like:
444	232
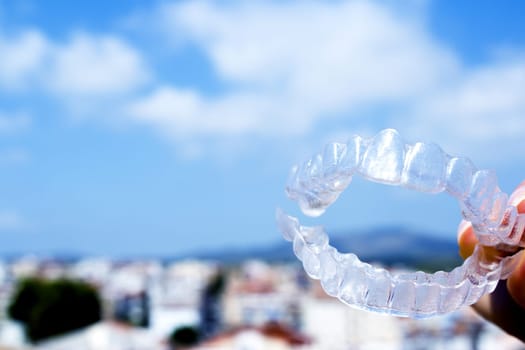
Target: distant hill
398	245
386	245
392	245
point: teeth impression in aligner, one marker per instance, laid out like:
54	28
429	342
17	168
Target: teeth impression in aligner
424	167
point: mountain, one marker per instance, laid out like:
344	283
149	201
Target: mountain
385	245
399	245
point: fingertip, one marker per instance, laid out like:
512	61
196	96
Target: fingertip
463	226
466	239
517	198
521	206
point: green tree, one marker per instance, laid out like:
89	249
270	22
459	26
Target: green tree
48	308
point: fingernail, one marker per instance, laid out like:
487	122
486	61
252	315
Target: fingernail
463	225
517	196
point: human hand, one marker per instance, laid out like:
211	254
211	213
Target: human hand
505	307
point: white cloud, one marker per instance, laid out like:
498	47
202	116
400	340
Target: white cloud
292	67
331	55
185	113
22	58
95	65
285	69
85	65
482	113
288	66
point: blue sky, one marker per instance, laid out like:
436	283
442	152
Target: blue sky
143	128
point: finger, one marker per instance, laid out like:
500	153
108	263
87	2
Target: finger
505	312
507	303
517	198
466	239
516	281
483	307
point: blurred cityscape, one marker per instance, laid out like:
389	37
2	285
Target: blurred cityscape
125	125
199	304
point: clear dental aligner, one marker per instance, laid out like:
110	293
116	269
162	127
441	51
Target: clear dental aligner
387	159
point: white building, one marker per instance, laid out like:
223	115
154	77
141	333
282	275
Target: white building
334	326
105	336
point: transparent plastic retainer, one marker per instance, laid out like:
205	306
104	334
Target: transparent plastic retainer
387	159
